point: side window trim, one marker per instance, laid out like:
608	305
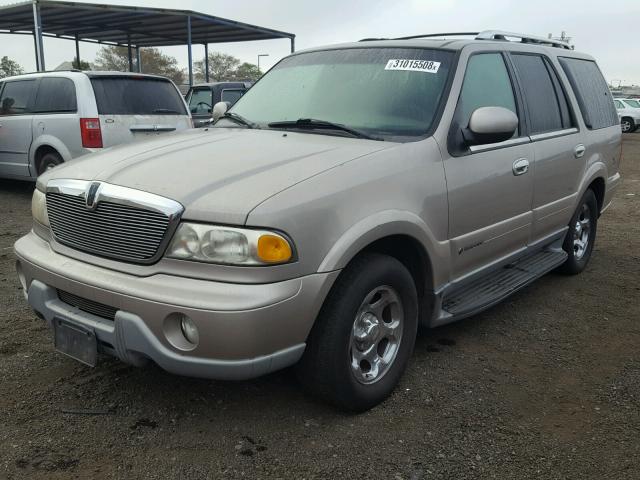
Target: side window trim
523	131
561	90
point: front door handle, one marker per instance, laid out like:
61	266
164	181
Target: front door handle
520	166
579	151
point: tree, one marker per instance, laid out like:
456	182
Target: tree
221	67
152	59
9	68
82	65
248	71
225	68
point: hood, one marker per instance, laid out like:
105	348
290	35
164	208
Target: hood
217	174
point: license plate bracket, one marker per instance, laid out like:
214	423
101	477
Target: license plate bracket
76	341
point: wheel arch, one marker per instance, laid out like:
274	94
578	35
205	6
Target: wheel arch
43	145
401	235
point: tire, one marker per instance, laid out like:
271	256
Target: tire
347	329
48	161
577	243
628	125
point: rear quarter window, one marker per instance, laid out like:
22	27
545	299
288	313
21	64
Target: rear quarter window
592	92
137	96
56	95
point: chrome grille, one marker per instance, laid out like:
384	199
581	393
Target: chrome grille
112	229
86	305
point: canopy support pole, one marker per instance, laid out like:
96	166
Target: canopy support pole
206	62
130	54
77	65
37	36
189	51
293	44
138	60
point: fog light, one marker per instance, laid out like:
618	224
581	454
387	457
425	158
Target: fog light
189	330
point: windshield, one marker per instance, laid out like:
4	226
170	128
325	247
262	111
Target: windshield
384	92
201	101
633	103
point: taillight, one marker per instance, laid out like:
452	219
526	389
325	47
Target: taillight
91	133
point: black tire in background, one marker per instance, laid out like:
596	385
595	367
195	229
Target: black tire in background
581	236
628	125
329	368
48	161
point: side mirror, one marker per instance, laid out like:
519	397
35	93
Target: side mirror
490	125
219	109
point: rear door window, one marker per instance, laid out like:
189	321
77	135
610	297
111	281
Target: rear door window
619	104
137	96
592	92
546	103
201	101
231	95
16	97
56	95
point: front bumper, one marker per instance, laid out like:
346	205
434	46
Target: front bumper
244	330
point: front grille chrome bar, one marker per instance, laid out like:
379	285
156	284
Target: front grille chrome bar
110	220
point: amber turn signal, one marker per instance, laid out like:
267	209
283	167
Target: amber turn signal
273	249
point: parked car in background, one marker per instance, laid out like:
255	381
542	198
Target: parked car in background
50	118
202	97
353	193
629	113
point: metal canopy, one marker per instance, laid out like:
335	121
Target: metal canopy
134	27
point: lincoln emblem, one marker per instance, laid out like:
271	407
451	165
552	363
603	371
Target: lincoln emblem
91	197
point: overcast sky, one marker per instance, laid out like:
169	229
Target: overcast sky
607	30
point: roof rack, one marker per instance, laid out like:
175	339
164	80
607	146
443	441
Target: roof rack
498	35
504	36
450	34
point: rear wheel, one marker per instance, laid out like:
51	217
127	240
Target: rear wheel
581	235
48	161
364	335
628	125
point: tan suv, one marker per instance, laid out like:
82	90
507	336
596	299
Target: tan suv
355	192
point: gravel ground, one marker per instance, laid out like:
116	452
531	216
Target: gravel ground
543	386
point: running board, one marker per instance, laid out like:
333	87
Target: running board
490	289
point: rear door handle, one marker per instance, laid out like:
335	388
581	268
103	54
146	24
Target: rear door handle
520	166
579	151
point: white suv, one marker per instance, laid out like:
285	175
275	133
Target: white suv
629	113
49	118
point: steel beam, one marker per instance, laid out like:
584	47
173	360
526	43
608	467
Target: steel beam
37	34
206	62
77	52
138	60
130	54
189	51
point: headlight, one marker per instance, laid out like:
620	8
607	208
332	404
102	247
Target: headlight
39	207
228	245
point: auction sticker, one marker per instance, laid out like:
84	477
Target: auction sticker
413	65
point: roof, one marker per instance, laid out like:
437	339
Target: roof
75	73
124	25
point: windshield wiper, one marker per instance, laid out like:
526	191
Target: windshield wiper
312	123
235	117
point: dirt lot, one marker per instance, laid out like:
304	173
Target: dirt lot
546	385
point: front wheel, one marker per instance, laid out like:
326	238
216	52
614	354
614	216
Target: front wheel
581	235
364	335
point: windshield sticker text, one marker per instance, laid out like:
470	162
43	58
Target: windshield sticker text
413	65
